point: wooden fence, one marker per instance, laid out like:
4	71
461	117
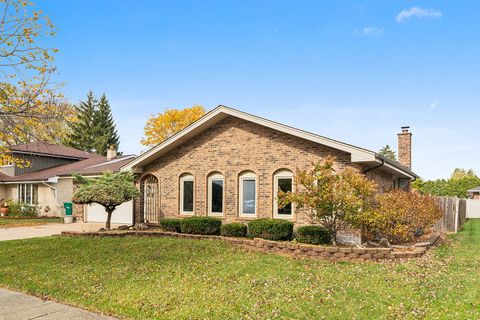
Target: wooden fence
454	214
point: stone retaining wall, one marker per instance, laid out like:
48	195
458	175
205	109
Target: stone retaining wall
278	247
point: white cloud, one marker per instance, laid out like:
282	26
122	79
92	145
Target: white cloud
433	105
369	31
418	13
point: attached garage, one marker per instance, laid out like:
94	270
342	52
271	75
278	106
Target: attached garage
122	215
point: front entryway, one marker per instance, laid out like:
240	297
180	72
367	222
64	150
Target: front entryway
150	194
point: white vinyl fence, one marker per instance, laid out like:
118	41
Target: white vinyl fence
473	208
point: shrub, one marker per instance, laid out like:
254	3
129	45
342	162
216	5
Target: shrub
171	225
20	209
201	225
271	229
313	235
233	230
400	215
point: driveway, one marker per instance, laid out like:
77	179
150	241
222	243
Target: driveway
19	306
47	230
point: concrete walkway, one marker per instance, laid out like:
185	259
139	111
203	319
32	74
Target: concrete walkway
19	306
47	230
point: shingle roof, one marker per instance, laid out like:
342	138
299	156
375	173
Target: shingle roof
476	189
63	170
112	165
45	148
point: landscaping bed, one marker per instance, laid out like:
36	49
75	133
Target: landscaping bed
293	249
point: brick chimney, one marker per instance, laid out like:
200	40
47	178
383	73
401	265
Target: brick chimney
111	152
405	147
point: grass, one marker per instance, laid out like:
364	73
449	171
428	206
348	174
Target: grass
162	278
14	223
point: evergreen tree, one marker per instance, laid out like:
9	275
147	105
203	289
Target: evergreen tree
388	152
81	136
105	133
94	129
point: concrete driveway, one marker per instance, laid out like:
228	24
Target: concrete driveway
47	230
19	306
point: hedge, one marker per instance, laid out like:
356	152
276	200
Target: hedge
172	225
313	235
271	229
200	225
233	230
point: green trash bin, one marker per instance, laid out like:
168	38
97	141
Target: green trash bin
68	208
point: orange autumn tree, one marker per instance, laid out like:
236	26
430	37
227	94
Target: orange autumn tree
162	126
334	198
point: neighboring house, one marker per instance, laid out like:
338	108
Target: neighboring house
474	193
47	181
230	164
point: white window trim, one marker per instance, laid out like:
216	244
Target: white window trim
247	176
184	178
19	197
282	174
216	176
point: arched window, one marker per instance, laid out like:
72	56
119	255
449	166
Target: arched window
215	194
187	194
282	181
247	191
150	199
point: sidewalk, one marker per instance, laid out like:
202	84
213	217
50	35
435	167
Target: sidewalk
19	306
47	230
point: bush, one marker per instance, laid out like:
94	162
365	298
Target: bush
233	230
20	209
271	229
313	235
171	225
201	225
400	215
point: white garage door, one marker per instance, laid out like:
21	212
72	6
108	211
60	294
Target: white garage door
123	214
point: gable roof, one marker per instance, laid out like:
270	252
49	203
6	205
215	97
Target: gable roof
49	149
476	189
358	154
112	165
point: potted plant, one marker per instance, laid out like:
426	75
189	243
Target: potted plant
4	208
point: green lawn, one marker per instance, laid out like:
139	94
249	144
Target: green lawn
142	278
14	223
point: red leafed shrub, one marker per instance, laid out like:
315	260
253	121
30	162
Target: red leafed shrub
399	216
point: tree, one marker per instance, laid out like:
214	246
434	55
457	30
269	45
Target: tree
94	129
28	104
335	198
105	133
109	190
459	183
81	134
388	152
162	126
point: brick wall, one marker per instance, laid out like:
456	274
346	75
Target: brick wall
231	147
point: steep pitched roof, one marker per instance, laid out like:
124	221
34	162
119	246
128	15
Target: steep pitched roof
358	154
48	149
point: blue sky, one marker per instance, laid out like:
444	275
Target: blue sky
350	70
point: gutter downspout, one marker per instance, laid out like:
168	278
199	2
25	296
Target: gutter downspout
376	167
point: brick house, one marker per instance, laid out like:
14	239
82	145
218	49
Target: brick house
230	165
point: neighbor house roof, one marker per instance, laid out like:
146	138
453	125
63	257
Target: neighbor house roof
476	189
48	149
45	174
358	154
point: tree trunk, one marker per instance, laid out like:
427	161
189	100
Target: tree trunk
109	217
